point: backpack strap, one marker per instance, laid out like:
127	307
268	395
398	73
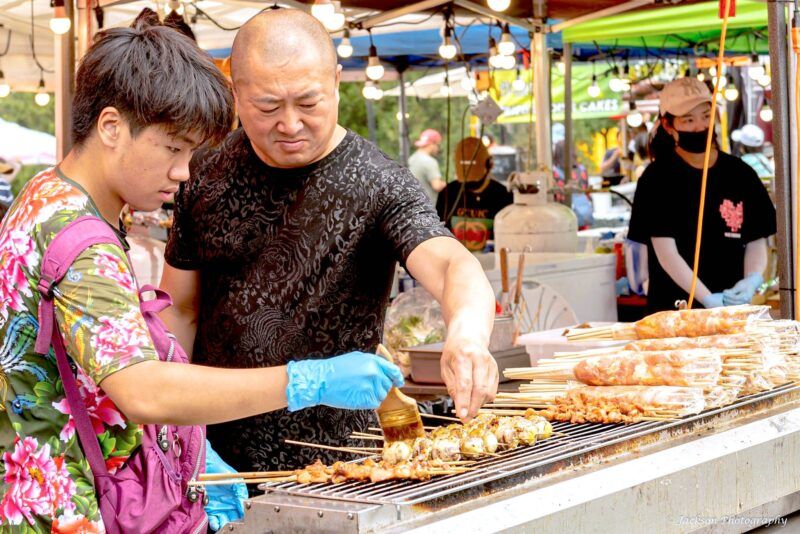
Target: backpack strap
73	239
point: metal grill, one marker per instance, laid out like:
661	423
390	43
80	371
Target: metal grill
577	439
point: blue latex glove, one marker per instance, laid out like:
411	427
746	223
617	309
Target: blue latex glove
354	381
744	290
714	300
225	502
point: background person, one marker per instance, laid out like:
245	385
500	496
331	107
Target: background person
468	205
423	164
739	215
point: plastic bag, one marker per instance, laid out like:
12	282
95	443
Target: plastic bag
414	318
693	323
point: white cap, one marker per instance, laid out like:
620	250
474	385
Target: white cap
749	135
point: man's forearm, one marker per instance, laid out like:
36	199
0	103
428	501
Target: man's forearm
467	299
183	323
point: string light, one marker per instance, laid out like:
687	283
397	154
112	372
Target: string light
374	70
335	21
701	76
42	97
506	47
372	91
765	80
594	89
731	92
561	66
756	69
468	83
499	5
322	10
495	59
5	89
507	62
615	83
60	23
447	49
634	118
345	48
766	113
519	84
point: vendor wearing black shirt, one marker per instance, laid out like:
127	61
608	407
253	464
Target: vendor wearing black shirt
468	206
738	217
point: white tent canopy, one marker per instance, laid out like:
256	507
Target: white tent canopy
26	146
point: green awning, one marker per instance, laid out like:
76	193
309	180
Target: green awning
678	27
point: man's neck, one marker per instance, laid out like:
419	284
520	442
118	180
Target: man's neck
696	159
91	176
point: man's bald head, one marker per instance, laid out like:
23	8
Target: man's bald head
275	37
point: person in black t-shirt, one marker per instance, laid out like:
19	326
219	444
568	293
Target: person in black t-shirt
468	205
738	216
286	239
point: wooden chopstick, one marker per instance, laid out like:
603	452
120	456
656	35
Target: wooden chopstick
241	481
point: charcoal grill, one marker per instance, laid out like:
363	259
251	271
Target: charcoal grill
365	507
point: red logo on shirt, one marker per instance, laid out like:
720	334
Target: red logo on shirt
733	214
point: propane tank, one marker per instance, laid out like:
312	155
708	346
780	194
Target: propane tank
533	222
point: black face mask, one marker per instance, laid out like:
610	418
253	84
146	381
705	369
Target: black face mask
694	142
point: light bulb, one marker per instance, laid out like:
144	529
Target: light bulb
322	10
345	48
701	77
467	83
398	116
335	22
634	118
519	84
374	68
60	24
506	45
561	66
756	69
378	94
507	62
447	49
594	89
616	84
731	92
765	80
42	97
368	91
766	113
713	70
499	5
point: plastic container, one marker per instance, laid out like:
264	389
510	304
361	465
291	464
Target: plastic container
425	367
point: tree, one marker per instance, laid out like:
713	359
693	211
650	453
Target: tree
20	108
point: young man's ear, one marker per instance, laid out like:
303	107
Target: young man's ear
109	126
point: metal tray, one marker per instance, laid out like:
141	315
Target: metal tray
425	367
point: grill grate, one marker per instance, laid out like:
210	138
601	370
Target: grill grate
577	439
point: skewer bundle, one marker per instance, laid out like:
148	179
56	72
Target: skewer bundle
680	323
721	353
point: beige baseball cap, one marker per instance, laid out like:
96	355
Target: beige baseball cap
681	96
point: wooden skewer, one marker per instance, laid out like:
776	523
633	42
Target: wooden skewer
367	437
327	447
442	417
248	474
241	481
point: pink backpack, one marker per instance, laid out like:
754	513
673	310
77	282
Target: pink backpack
150	492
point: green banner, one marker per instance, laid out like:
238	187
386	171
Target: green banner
517	104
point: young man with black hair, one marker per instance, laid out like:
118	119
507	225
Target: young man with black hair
146	97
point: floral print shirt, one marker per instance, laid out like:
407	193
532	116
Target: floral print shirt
46	483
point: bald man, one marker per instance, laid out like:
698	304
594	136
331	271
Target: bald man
286	239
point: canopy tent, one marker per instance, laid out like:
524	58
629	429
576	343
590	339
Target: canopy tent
26	146
693	28
406	40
